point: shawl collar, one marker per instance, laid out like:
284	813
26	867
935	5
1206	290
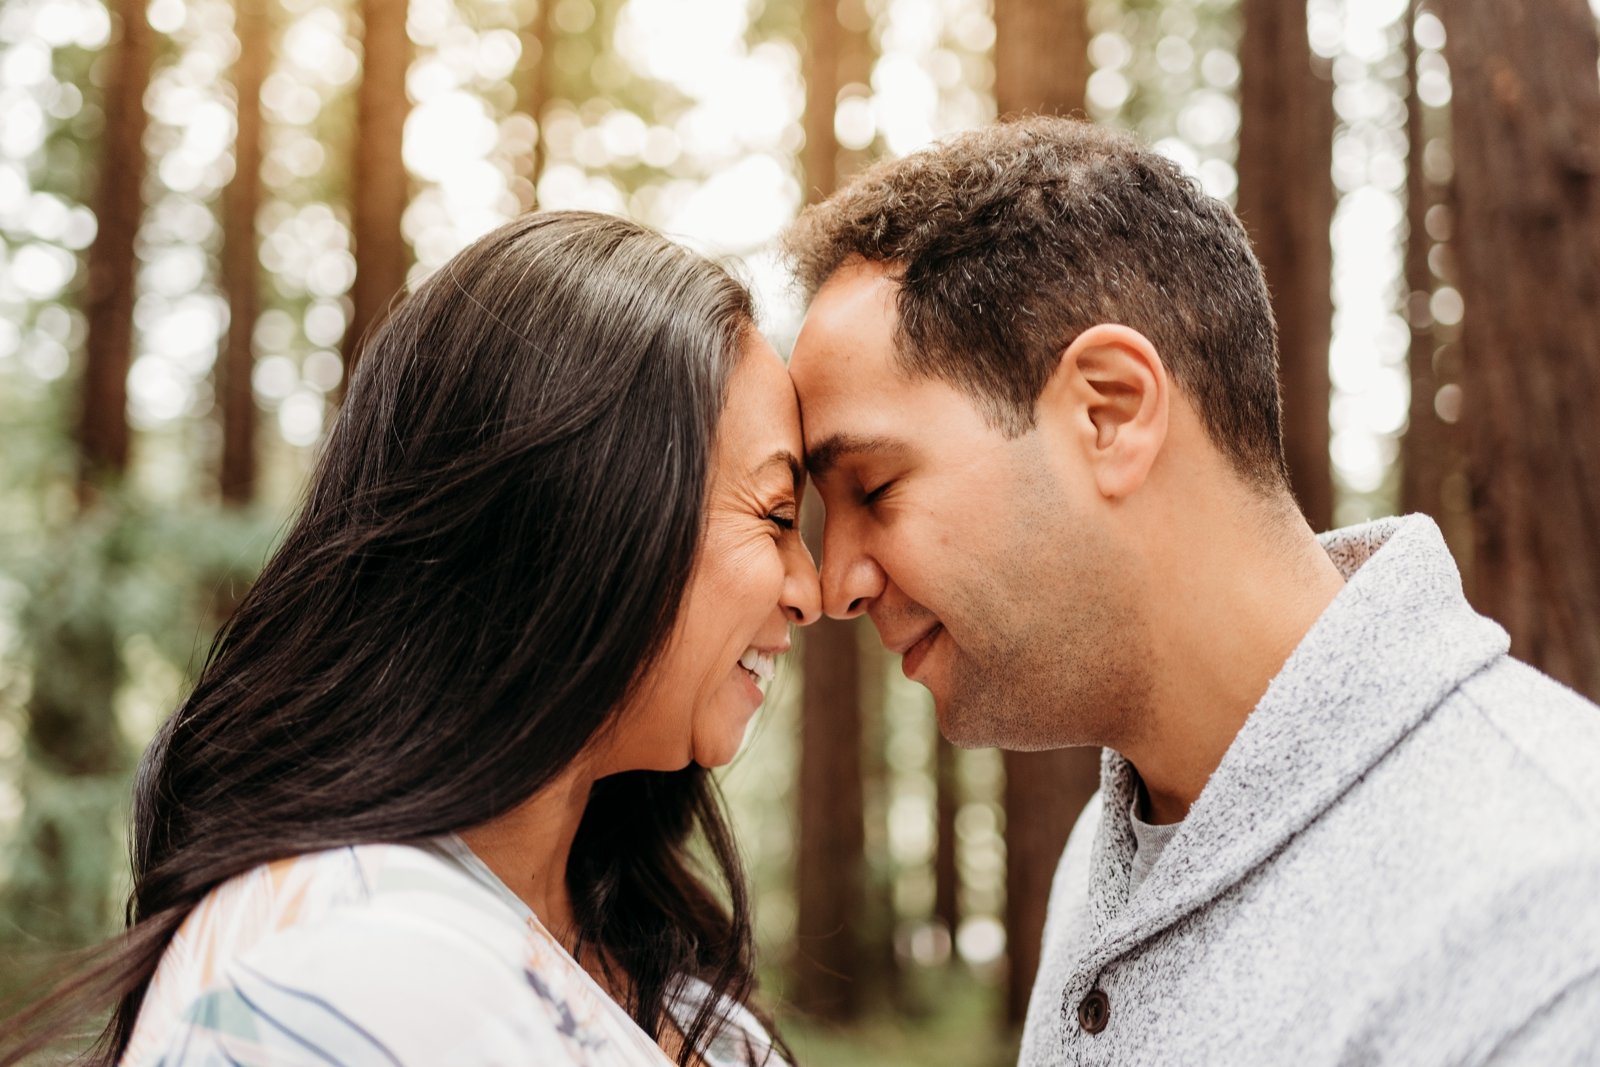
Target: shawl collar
1395	641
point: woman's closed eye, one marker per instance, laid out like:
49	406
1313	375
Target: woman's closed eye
784	518
871	496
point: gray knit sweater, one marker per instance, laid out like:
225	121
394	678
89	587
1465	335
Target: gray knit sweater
1397	861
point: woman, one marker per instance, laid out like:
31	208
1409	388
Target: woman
432	798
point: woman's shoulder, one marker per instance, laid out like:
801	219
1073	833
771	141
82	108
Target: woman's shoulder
361	948
358	884
367	986
386	954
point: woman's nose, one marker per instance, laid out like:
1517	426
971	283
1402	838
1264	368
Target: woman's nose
802	589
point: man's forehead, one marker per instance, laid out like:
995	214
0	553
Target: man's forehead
861	289
858	271
852	411
848	335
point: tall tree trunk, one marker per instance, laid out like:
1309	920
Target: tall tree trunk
537	87
1525	116
1044	794
946	866
1433	476
838	53
879	973
108	301
1041	66
241	274
830	865
380	187
1422	462
73	745
1286	203
1041	57
823	82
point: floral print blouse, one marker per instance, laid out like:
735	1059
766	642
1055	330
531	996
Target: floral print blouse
393	955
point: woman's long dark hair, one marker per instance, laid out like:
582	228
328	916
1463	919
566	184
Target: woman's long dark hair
492	553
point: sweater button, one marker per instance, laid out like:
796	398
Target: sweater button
1094	1012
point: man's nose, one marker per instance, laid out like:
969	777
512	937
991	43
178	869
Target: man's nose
851	578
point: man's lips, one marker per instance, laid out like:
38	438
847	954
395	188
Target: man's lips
913	653
903	644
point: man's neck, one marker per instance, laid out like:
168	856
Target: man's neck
1227	617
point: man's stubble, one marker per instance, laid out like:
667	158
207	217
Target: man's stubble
1052	651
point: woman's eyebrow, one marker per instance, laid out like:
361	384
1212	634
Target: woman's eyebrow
782	458
837	447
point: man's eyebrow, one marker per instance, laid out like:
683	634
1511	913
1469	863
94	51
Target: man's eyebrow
782	458
834	447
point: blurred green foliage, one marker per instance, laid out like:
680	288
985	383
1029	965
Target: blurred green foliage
953	1023
114	607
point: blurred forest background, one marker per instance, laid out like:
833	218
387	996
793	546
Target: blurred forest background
205	203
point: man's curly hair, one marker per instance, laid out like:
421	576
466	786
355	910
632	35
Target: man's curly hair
1010	240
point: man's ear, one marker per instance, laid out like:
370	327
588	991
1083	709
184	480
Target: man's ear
1111	391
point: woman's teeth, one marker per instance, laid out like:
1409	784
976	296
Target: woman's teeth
761	664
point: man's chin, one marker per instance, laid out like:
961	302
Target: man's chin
979	724
962	729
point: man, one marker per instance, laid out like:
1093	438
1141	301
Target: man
1337	823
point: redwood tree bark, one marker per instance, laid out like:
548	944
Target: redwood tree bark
73	744
830	871
839	53
1044	794
946	866
241	274
380	188
878	974
830	865
1525	116
102	430
823	81
1286	202
1041	66
1421	449
537	86
1041	57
